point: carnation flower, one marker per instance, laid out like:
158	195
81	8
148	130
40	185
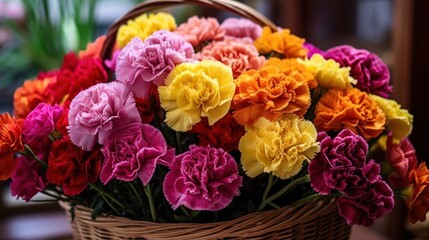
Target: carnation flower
72	168
290	65
41	122
203	178
418	198
402	158
342	165
74	76
96	111
278	147
10	143
141	63
368	69
313	50
93	49
27	179
133	151
349	108
195	90
199	30
399	120
282	42
241	28
270	93
143	26
224	134
111	63
238	54
30	94
376	201
328	73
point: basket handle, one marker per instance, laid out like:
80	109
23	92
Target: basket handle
150	5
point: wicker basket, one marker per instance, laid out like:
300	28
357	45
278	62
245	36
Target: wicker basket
312	220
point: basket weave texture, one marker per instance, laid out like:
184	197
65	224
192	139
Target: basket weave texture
311	220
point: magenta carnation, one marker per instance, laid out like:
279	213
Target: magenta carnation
96	111
27	179
203	178
241	28
341	165
312	49
133	151
368	69
111	63
40	122
141	63
376	201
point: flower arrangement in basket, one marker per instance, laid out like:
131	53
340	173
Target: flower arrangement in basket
207	121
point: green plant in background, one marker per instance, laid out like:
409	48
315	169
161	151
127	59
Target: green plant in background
41	40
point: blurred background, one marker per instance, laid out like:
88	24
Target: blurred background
35	34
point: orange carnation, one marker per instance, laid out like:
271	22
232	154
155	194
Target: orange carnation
349	108
291	64
10	143
418	200
93	50
270	93
282	42
29	95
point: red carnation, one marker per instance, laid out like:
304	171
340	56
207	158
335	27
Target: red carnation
225	133
76	75
72	168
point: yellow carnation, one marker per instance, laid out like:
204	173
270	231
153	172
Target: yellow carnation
279	147
143	26
195	90
399	120
328	73
283	42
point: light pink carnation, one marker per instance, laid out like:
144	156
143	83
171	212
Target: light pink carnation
241	28
240	55
202	178
133	151
197	30
96	111
141	63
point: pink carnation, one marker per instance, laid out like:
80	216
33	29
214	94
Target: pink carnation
27	179
368	69
312	49
40	122
133	151
202	178
241	28
141	63
402	158
96	111
111	63
376	201
238	54
198	30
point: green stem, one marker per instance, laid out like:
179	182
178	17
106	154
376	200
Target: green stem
179	142
28	149
268	188
104	193
110	204
148	191
137	194
284	190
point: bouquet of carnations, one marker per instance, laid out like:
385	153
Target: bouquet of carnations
206	121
